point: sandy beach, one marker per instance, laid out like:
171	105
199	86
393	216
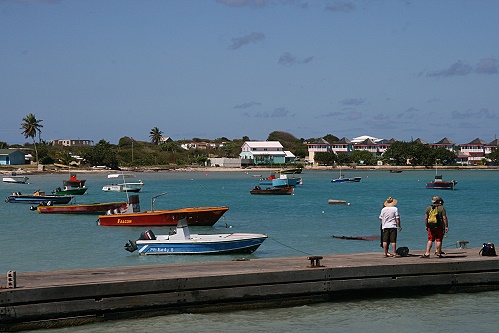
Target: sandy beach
34	169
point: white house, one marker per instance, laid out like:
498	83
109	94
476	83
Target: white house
322	146
72	143
263	152
474	150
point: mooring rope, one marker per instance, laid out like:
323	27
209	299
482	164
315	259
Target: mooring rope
292	248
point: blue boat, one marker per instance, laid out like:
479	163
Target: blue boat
280	180
343	179
39	197
183	242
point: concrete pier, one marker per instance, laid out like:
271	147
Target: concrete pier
74	297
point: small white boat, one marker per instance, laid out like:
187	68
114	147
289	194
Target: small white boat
120	175
125	186
183	242
13	178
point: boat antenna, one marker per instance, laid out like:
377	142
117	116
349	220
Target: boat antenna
124	185
154	199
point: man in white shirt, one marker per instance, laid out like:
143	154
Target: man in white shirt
390	223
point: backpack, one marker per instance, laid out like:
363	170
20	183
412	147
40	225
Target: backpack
403	251
432	217
488	250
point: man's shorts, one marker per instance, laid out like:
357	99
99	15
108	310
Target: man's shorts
436	234
390	235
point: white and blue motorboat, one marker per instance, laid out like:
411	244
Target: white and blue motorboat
181	241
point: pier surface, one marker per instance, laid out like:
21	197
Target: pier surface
73	297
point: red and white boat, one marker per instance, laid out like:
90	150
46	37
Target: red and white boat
132	216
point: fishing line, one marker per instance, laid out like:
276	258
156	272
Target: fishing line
292	248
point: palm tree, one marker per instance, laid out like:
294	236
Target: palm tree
155	134
31	127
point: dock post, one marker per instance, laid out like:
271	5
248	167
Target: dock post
11	279
315	261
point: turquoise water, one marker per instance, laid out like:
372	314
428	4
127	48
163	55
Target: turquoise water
297	225
437	313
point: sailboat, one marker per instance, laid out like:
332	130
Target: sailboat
343	179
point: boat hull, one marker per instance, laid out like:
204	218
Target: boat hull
290	171
39	199
441	185
15	179
75	191
280	182
128	187
96	208
195	216
230	243
347	180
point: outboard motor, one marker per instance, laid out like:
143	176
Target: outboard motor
131	246
147	235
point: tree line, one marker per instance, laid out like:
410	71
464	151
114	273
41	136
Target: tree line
131	153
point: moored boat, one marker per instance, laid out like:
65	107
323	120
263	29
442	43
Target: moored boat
132	216
280	180
181	241
125	186
439	184
290	171
343	179
14	178
90	208
272	190
39	197
73	186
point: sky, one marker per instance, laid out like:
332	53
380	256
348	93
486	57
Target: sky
106	69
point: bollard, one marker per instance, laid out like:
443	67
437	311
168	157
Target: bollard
11	279
315	261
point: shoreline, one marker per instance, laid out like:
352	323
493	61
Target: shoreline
49	169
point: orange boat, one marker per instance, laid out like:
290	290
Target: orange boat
132	216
